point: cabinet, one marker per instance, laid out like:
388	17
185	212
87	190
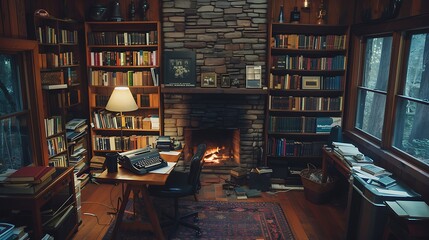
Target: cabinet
55	203
306	94
62	84
123	54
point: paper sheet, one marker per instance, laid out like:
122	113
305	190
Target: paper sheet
174	153
165	170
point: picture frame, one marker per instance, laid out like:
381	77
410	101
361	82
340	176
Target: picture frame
253	76
310	82
208	80
179	69
225	81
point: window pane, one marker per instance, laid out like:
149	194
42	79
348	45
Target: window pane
412	129
417	82
377	62
10	91
15	150
370	112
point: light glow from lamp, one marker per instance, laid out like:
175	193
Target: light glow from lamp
121	100
306	4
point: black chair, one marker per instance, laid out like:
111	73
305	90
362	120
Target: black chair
182	184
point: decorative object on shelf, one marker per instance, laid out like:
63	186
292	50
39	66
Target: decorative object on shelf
179	69
281	15
132	11
116	12
310	82
144	7
97	13
295	15
321	14
226	81
306	4
121	100
208	80
41	13
253	76
390	11
235	83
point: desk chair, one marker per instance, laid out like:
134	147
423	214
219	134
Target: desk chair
181	184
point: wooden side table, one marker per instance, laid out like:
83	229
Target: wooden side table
61	188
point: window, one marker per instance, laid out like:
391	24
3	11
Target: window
15	149
373	89
411	133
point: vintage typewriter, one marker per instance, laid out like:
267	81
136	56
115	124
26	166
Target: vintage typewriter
141	161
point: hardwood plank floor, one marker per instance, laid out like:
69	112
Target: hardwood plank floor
307	220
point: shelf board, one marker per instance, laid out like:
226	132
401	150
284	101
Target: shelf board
127	130
123	67
139	46
199	90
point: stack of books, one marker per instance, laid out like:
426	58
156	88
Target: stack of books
96	165
76	128
163	143
238	175
27	180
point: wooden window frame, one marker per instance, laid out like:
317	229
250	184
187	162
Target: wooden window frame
402	165
32	94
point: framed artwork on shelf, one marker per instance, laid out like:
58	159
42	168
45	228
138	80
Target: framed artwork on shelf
208	80
179	69
253	76
226	81
310	82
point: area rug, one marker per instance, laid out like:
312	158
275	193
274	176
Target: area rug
222	220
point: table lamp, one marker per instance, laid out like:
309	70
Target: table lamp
121	100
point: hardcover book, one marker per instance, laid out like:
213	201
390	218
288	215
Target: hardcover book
35	174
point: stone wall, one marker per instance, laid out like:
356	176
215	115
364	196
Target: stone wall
226	36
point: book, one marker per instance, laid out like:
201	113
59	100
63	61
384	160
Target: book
75	123
53	87
238	172
410	209
34	174
6	230
262	170
29	188
374	170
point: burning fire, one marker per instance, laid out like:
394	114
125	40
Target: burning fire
212	155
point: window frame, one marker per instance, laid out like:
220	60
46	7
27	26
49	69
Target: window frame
31	94
383	150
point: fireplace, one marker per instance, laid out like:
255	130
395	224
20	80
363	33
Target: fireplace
223	146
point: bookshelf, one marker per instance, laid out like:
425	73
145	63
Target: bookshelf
123	54
306	85
62	84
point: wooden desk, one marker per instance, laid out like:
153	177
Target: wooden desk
329	158
138	183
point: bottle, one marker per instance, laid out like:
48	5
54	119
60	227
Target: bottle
295	15
281	15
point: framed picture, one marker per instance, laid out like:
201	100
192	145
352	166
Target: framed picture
208	80
253	77
225	81
179	69
310	82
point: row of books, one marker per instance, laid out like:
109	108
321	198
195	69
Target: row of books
59	161
113	143
309	63
105	119
53	125
283	147
302	124
48	35
301	41
56	145
27	180
288	81
125	58
128	78
123	38
306	103
52	60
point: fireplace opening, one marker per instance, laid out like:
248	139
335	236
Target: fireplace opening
223	146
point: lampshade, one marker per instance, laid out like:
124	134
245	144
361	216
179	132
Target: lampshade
121	100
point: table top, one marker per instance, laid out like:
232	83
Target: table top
125	176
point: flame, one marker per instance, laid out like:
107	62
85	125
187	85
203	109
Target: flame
211	155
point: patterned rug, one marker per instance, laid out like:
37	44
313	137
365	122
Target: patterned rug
221	220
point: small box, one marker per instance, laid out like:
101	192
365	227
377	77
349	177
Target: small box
258	181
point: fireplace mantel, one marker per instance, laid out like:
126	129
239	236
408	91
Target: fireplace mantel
199	90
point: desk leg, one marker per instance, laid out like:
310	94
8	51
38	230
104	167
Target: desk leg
324	167
121	211
156	227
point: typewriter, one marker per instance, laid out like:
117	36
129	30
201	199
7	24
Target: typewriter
141	161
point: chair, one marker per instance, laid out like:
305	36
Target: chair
181	184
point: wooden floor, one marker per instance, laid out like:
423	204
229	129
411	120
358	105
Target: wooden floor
307	220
